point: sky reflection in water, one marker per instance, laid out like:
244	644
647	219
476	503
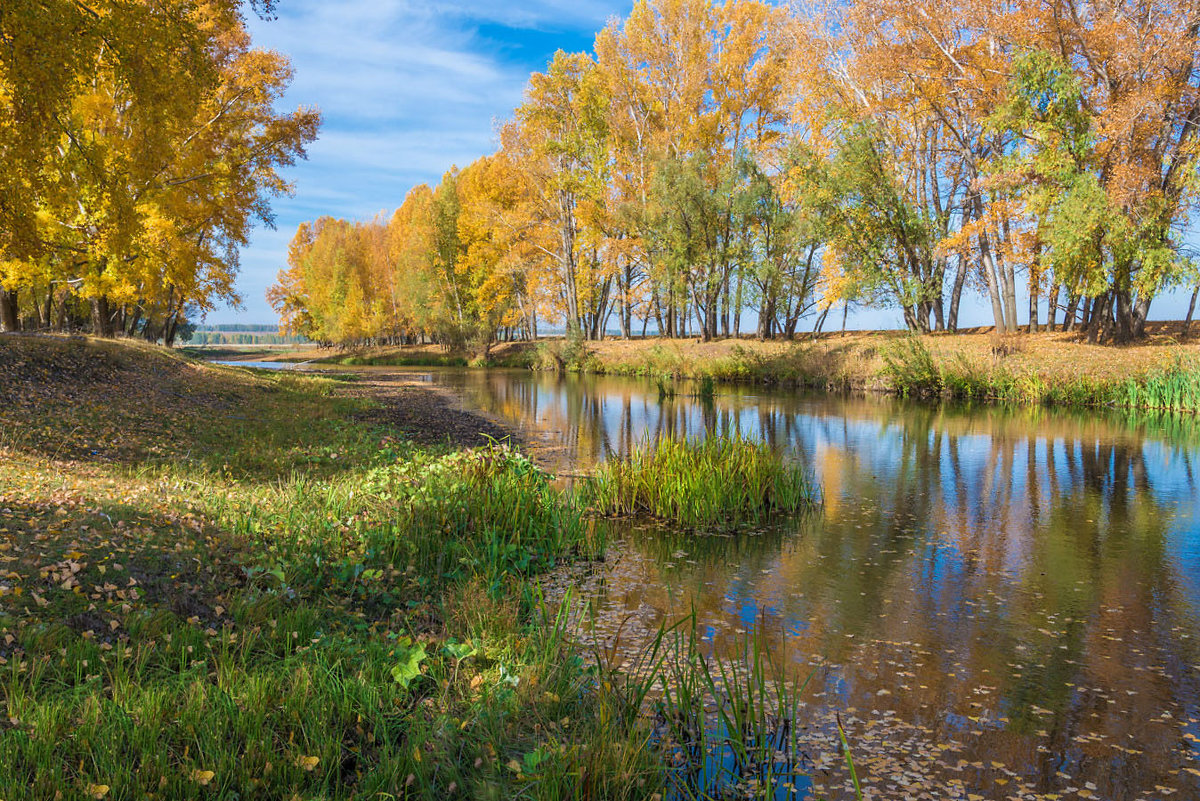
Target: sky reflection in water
1003	602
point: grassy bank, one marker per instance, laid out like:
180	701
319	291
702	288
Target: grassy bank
215	582
1040	368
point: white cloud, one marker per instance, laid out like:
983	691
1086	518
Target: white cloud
406	89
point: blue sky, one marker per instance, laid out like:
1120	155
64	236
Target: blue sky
408	88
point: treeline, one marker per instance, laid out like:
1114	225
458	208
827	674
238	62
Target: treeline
705	160
242	335
139	143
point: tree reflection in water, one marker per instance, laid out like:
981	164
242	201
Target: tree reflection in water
1004	602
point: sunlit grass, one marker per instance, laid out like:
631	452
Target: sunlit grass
253	592
695	484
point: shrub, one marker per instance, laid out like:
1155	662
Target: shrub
910	366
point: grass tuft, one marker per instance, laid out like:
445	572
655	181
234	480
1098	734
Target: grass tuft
911	368
697	484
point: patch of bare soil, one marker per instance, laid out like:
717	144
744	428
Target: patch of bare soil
424	414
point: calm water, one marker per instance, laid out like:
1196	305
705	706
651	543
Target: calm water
1001	603
257	365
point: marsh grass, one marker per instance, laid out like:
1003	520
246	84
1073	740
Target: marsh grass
1175	387
697	484
729	726
723	727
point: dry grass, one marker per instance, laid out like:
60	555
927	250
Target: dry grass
854	360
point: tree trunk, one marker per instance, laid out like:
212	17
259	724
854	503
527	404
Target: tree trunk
64	310
1123	315
821	321
737	306
1187	323
10	313
134	319
1071	315
1141	311
1052	306
960	280
992	280
1033	306
101	318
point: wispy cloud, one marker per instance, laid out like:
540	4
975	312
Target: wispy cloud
406	89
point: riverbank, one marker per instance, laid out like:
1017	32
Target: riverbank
1041	368
215	580
224	581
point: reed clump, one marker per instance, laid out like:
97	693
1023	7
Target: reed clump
1175	388
698	484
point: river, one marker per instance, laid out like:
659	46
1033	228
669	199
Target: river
1000	602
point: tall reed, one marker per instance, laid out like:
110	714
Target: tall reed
695	484
722	726
1174	388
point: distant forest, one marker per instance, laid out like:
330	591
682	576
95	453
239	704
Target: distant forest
243	334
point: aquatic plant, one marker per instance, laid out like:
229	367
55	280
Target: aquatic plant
723	726
728	726
712	482
1175	387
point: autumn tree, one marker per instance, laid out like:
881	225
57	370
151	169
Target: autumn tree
1108	101
149	162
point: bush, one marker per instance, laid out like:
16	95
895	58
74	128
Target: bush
910	366
569	356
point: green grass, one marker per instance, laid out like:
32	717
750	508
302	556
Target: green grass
911	369
223	583
1173	388
254	593
709	483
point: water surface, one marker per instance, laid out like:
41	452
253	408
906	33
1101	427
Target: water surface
1001	603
